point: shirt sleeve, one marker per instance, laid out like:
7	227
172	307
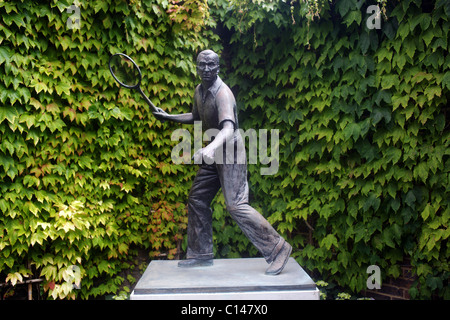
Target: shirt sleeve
226	107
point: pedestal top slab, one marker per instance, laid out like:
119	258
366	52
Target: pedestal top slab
226	275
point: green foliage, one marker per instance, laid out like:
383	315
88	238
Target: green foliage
364	139
85	168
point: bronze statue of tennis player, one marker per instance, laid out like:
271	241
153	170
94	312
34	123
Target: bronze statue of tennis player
215	106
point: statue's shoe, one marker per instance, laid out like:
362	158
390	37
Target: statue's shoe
280	260
190	263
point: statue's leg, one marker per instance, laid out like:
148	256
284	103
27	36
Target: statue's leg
199	232
258	230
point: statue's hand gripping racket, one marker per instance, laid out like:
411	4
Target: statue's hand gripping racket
127	73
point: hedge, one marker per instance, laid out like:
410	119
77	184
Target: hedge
363	116
86	172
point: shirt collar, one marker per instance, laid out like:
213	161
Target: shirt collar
214	88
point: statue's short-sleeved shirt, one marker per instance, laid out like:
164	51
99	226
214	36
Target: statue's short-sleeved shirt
214	106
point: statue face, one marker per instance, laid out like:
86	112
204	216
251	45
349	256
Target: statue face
207	67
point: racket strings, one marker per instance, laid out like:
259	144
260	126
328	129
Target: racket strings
125	71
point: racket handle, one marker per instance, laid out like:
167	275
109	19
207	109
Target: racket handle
152	106
149	102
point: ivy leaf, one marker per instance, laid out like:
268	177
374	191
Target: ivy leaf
352	130
9	113
380	113
14	278
13	96
445	80
24	94
372	202
384	53
364	42
410	199
103	266
85	162
16	18
41	86
28	119
35	103
388	29
388	237
5	55
123	248
428	36
409	46
49	272
12	172
29	206
56	125
101	5
432	91
32	134
429	210
434	282
7	162
67	226
382	95
353	16
329	241
295	115
421	171
392	154
344	6
399	100
63	87
31	181
389	80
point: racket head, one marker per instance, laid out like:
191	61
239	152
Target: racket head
125	71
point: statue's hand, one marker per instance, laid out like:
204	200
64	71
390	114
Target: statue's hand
204	154
160	114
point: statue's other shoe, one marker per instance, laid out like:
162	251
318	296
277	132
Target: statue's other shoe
190	263
280	260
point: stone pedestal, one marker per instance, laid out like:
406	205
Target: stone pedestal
227	279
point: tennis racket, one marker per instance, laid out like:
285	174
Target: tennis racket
127	73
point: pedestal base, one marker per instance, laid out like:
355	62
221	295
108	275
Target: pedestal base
235	279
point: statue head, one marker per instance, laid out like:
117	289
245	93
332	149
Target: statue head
208	66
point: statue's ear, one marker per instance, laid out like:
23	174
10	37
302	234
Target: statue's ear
217	67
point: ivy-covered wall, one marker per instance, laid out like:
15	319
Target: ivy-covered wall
363	116
85	170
